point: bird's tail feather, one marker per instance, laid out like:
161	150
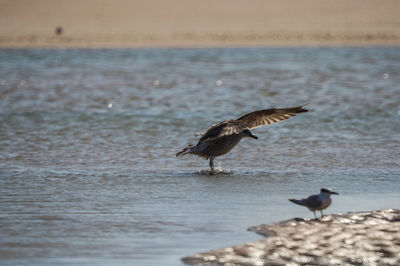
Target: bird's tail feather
185	150
299	202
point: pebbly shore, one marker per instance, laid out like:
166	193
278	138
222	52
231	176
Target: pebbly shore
355	238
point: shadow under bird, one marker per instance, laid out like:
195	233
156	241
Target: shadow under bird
222	137
317	202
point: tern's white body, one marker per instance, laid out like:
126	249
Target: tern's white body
325	199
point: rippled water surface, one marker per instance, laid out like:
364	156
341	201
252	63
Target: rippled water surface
88	173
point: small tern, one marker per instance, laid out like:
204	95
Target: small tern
317	202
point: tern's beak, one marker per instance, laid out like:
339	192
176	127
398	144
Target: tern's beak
335	193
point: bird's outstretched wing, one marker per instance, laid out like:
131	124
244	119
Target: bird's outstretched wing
223	128
269	116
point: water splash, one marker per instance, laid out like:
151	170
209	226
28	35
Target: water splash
217	171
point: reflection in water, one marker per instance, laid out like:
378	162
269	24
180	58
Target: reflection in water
88	141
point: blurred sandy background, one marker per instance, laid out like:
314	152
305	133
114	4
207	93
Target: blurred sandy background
136	23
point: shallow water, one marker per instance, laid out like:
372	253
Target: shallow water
88	173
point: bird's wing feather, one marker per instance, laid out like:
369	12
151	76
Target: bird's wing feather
223	128
269	116
312	201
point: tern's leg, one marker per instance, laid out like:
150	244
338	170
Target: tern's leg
322	214
315	215
212	164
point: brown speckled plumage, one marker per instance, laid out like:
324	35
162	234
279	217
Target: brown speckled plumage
222	137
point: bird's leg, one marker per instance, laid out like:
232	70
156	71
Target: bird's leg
322	214
212	164
315	216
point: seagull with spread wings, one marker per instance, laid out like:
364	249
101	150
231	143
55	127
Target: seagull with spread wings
222	137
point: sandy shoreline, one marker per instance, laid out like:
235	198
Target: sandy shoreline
204	40
359	238
187	23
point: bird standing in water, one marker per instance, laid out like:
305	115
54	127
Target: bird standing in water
222	137
317	202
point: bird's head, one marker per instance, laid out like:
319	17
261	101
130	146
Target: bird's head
248	133
328	191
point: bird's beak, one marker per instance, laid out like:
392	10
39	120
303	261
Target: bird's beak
249	134
253	136
335	193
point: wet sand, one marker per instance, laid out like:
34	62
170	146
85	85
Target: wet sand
187	23
361	238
